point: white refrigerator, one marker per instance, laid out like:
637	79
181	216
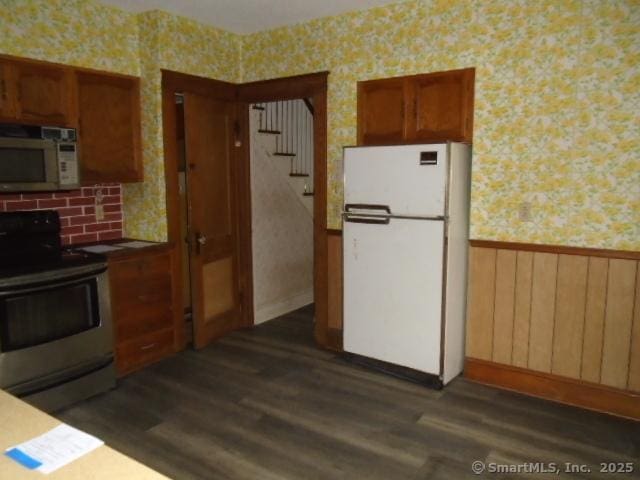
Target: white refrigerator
405	244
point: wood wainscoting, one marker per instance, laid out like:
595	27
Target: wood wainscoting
335	288
544	319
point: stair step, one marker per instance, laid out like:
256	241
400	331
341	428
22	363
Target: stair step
256	107
307	194
284	154
272	132
298	174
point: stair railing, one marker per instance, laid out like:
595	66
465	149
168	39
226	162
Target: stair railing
291	121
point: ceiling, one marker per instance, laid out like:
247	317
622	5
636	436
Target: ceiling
248	16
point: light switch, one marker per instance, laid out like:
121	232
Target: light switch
524	212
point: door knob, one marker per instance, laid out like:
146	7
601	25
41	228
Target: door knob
200	241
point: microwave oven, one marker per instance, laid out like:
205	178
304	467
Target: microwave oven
38	159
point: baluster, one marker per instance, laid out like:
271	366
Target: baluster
295	138
271	116
289	137
259	119
294	167
305	137
310	148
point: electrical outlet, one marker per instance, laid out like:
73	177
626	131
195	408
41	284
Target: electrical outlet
524	212
99	212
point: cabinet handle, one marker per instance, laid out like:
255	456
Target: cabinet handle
3	85
148	347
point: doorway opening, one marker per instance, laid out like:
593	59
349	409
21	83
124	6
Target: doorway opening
282	210
206	132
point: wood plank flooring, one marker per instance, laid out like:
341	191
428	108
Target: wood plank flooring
267	404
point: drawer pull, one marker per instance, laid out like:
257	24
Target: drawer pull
149	346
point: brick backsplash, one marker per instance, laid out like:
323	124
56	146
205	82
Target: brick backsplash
77	209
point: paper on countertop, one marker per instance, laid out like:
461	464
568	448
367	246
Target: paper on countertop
53	449
100	248
135	244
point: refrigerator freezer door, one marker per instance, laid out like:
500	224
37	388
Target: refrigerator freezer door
409	179
393	291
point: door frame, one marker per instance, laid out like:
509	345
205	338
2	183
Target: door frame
313	86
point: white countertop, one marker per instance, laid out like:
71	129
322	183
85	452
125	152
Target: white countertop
20	421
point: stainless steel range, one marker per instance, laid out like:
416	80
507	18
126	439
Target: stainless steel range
55	317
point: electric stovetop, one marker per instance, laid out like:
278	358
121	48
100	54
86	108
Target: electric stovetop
30	243
65	258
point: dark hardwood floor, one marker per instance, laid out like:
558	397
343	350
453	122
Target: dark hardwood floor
267	404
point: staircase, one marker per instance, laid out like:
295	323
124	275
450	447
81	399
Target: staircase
288	124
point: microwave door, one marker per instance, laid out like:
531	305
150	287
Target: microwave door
28	164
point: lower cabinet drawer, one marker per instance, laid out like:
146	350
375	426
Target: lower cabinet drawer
154	289
143	320
142	268
141	351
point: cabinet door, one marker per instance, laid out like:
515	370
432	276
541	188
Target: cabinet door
381	111
7	110
43	94
442	106
109	135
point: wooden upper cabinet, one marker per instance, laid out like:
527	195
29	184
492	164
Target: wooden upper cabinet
36	93
382	111
6	105
433	107
104	107
44	94
443	106
109	132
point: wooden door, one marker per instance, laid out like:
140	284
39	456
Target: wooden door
44	94
109	136
381	111
211	175
442	106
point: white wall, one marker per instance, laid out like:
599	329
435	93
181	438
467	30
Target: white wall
282	234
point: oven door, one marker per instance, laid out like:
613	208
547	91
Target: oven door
54	326
28	164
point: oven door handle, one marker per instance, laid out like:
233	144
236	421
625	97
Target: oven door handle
31	283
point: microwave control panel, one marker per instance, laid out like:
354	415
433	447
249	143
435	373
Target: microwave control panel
68	164
59	134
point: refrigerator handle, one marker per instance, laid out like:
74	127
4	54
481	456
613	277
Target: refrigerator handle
366	206
372	220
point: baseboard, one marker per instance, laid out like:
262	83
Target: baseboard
552	387
274	310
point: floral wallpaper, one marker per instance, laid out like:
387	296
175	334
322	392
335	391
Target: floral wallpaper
75	32
173	43
88	34
557	122
557	95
